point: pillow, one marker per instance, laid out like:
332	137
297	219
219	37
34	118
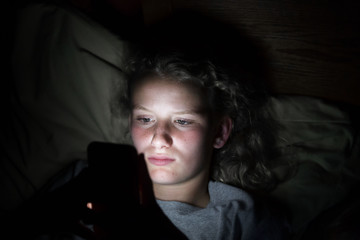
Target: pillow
64	68
320	138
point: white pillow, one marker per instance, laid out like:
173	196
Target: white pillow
320	137
64	68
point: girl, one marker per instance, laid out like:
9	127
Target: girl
197	116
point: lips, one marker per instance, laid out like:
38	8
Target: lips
160	160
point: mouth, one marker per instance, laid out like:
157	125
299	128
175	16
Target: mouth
160	160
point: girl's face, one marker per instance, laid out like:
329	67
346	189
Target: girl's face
171	126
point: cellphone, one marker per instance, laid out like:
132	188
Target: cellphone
119	175
114	177
122	190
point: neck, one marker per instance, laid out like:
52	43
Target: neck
193	192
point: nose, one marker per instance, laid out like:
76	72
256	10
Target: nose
162	137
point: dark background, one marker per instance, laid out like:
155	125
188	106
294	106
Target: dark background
313	46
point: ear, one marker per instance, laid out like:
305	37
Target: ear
223	132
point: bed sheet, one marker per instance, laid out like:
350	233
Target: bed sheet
321	139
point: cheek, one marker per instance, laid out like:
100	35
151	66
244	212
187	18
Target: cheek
191	139
195	143
140	138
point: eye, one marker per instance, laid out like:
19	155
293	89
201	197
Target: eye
183	122
144	120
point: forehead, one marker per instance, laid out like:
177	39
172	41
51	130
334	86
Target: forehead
164	91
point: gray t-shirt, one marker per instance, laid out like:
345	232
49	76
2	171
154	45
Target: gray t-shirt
231	214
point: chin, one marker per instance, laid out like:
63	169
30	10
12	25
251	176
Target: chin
162	177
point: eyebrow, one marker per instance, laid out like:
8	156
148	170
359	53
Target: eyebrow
197	112
139	107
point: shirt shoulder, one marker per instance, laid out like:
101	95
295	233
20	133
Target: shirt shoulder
223	194
228	214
